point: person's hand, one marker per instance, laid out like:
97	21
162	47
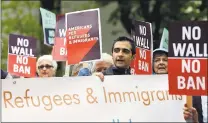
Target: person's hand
100	75
190	113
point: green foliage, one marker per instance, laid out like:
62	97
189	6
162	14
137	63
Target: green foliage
170	10
158	12
19	17
84	5
192	11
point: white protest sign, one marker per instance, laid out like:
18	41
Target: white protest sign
87	99
49	25
164	40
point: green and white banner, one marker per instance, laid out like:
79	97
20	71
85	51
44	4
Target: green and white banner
49	25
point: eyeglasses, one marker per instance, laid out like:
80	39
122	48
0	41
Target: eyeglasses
124	50
46	66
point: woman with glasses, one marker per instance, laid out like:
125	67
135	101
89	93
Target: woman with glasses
46	66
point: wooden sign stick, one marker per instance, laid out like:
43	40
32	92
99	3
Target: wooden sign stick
189	101
67	68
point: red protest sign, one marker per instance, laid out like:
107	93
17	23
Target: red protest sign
142	35
144	61
132	67
59	49
22	65
83	36
21	56
187	58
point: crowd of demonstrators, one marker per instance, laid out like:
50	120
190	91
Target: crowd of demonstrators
123	52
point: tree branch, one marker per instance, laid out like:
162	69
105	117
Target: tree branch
144	4
203	5
156	17
125	10
49	5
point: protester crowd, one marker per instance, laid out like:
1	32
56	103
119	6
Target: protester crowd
123	52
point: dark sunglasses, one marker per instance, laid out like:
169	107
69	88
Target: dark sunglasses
46	66
124	50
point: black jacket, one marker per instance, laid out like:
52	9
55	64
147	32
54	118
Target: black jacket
117	71
197	104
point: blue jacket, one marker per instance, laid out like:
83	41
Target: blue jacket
84	72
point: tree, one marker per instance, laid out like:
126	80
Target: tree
158	12
52	5
18	17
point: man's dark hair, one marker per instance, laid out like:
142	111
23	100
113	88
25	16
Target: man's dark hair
124	38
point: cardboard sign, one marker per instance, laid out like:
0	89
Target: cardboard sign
80	99
83	36
49	24
164	40
187	58
142	35
21	56
59	49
